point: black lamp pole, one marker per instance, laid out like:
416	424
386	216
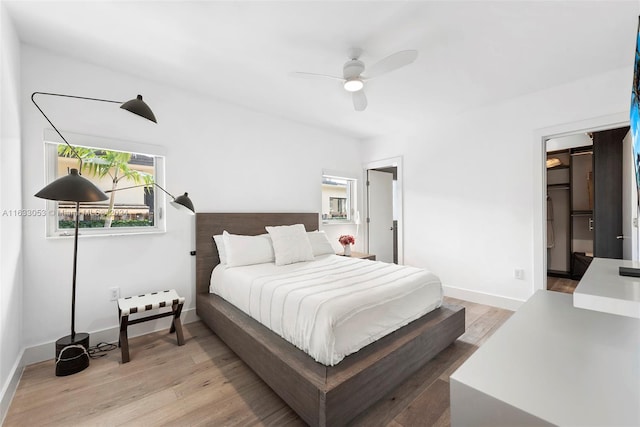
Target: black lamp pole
75	264
71	351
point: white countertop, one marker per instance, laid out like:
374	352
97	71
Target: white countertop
602	288
564	365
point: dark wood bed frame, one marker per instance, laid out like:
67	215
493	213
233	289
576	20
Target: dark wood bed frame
321	395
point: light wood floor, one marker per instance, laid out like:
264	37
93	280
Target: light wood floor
204	384
560	284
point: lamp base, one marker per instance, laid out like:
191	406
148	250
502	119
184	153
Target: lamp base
72	354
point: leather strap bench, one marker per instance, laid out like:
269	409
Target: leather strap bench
145	302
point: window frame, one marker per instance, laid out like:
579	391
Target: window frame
352	197
52	140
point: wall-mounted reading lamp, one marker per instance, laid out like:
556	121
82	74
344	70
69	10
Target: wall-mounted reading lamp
71	350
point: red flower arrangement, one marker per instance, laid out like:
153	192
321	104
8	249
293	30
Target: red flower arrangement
347	239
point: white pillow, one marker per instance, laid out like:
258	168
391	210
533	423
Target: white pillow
222	252
247	250
320	244
290	244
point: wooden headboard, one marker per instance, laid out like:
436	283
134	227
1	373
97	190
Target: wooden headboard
251	224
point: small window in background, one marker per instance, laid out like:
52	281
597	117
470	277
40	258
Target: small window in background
338	199
128	210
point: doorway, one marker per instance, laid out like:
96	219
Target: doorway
383	194
589	211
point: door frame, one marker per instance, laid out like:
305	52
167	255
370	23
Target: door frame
629	187
387	163
541	136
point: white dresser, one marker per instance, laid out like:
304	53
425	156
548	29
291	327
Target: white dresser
603	289
552	364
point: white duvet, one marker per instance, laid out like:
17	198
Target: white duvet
332	306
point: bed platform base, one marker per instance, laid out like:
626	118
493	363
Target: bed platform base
331	395
321	395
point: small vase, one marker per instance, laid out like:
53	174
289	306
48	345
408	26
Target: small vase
347	250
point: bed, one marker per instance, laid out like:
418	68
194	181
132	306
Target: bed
321	395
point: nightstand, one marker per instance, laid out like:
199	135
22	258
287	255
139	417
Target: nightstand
361	255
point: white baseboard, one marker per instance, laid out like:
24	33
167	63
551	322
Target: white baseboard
482	298
10	387
46	351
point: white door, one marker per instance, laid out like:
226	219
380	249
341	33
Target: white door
380	214
629	201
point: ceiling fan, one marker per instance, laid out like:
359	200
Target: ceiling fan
355	74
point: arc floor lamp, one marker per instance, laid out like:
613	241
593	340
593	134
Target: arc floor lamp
71	350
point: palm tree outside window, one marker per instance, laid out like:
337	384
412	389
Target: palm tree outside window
128	210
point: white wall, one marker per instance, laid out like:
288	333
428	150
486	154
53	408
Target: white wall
11	303
228	158
472	200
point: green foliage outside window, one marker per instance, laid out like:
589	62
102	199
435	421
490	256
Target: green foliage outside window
99	223
101	163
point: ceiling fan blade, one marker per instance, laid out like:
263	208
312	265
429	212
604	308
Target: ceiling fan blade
314	75
359	100
390	63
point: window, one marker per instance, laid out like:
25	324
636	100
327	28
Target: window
338	207
338	198
128	210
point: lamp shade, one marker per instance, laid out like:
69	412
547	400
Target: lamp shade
139	107
72	188
184	204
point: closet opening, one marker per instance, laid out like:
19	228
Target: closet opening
590	203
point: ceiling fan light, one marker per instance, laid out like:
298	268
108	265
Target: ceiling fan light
353	85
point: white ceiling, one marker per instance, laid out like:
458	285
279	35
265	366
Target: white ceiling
471	53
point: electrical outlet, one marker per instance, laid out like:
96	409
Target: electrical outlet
115	293
518	273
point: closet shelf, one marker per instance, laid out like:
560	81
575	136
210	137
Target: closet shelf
582	153
581	213
558	187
